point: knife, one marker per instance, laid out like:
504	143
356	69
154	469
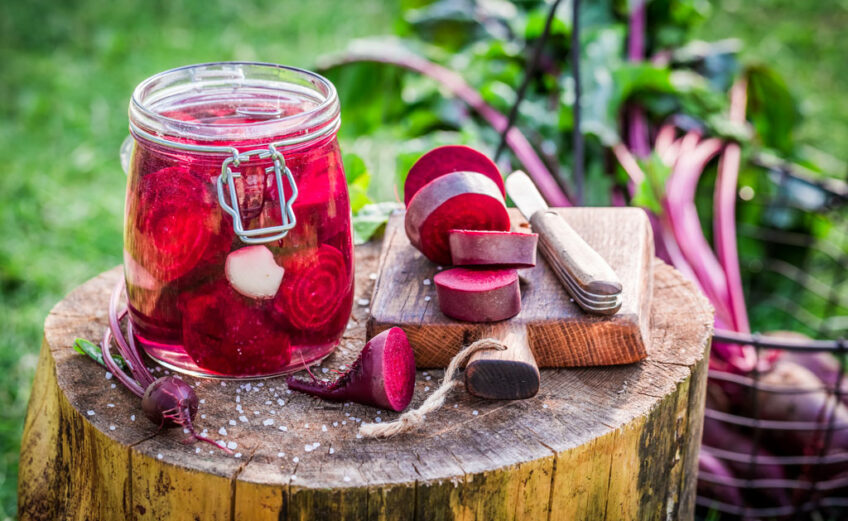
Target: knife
584	274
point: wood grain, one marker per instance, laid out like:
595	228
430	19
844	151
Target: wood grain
616	443
511	374
559	332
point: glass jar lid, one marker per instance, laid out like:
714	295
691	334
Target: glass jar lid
261	103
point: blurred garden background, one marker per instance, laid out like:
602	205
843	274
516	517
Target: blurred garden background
69	68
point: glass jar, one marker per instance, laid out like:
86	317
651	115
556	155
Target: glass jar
235	177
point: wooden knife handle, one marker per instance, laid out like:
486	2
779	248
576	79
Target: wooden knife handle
565	249
511	374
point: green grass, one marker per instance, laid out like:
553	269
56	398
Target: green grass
805	41
67	73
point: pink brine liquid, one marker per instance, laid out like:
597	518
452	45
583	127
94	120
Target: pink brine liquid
184	311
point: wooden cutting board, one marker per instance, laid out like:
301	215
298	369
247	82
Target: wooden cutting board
560	334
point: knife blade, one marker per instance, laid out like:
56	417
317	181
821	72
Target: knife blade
585	275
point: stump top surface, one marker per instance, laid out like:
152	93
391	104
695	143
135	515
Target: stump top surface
309	443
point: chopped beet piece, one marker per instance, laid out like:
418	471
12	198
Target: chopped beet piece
478	295
382	376
174	227
488	248
462	200
230	334
314	296
445	160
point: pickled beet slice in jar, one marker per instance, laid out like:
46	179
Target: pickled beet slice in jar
228	333
176	225
315	296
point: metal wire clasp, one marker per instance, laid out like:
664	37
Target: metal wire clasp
269	233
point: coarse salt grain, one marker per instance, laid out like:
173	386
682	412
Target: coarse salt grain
426	282
111	427
295	459
231	445
281	402
281	454
428	378
108	375
427	298
269	421
222	431
159	456
372	276
307	448
203	416
358	436
232	422
256	413
90	412
323	428
203	400
544	406
377	419
112	386
237	454
332	450
223	384
283	428
110	405
344	422
272	411
474	412
363	302
426	388
197	450
346	478
238	399
335	424
132	418
325	370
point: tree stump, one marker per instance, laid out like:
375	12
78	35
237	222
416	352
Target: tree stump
614	443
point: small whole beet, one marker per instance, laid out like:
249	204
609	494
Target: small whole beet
813	406
168	401
383	375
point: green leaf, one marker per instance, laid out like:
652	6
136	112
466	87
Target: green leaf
371	219
651	191
771	108
358	180
85	347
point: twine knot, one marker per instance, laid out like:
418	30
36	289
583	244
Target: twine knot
414	418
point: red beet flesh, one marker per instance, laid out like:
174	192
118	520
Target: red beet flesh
478	295
382	376
445	160
309	297
226	332
462	200
494	249
173	225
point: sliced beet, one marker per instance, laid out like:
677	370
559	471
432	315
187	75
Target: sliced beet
228	333
478	295
445	160
461	200
173	225
491	248
382	376
315	294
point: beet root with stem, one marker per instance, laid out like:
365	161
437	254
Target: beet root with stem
382	376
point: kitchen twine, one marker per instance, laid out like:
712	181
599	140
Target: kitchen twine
412	419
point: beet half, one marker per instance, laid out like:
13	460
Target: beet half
446	160
383	375
478	295
462	200
493	248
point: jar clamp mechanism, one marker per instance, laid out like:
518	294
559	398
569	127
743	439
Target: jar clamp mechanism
227	177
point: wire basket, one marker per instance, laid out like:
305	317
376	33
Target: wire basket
796	282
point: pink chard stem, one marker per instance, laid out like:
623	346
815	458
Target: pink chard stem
452	81
724	209
637	132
